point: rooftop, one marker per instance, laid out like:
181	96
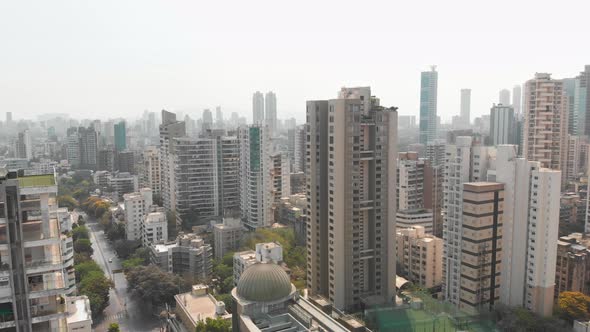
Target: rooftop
78	309
197	304
45	180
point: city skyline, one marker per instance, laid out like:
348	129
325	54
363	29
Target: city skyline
116	62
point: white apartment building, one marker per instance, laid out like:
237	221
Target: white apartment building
464	162
136	208
79	315
154	228
254	177
151	169
410	181
270	252
169	129
419	256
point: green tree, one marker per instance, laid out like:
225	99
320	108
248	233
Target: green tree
113	327
222	271
154	285
85	268
214	325
574	306
227	285
96	286
83	246
132	262
80	232
226	299
116	231
125	248
67	201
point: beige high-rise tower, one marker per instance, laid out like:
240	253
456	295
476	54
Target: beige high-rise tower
546	123
351	151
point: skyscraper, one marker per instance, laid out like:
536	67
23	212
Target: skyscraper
428	105
8	117
120	136
150	177
351	171
481	248
24	145
207	120
254	175
504	97
582	101
516	99
546	122
88	148
465	108
218	117
270	106
502	125
258	108
169	129
530	231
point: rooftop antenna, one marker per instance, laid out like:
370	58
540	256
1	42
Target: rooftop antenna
433	67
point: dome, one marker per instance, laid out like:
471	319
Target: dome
264	282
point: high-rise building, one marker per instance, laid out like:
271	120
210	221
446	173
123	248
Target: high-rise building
481	246
218	117
517	99
428	105
169	129
546	122
296	137
207	120
154	228
504	97
464	162
151	170
351	168
531	209
120	136
270	111
419	256
137	206
279	183
106	159
465	108
502	125
73	147
37	259
582	101
125	161
410	181
88	148
569	93
574	154
8	117
24	145
194	177
254	176
258	108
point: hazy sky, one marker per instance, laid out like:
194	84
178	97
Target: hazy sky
108	58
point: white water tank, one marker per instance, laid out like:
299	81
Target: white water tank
219	308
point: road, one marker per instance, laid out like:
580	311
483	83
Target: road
122	309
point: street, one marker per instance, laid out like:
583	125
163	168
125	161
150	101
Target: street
122	309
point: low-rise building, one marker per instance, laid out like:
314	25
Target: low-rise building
79	316
189	254
227	236
198	305
572	267
419	256
154	228
270	252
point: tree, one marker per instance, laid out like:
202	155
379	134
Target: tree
81	221
214	325
96	286
80	232
83	246
574	306
130	263
222	271
154	285
116	231
67	201
226	299
227	285
114	327
125	248
85	268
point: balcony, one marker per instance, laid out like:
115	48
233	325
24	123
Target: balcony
37	233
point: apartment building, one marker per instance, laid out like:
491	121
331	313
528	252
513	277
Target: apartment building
137	206
189	255
154	228
572	267
417	217
270	252
169	129
410	181
419	256
36	264
351	167
151	169
227	236
481	245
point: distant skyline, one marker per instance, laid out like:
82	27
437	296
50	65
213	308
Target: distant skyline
116	59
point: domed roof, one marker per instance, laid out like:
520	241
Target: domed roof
264	282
